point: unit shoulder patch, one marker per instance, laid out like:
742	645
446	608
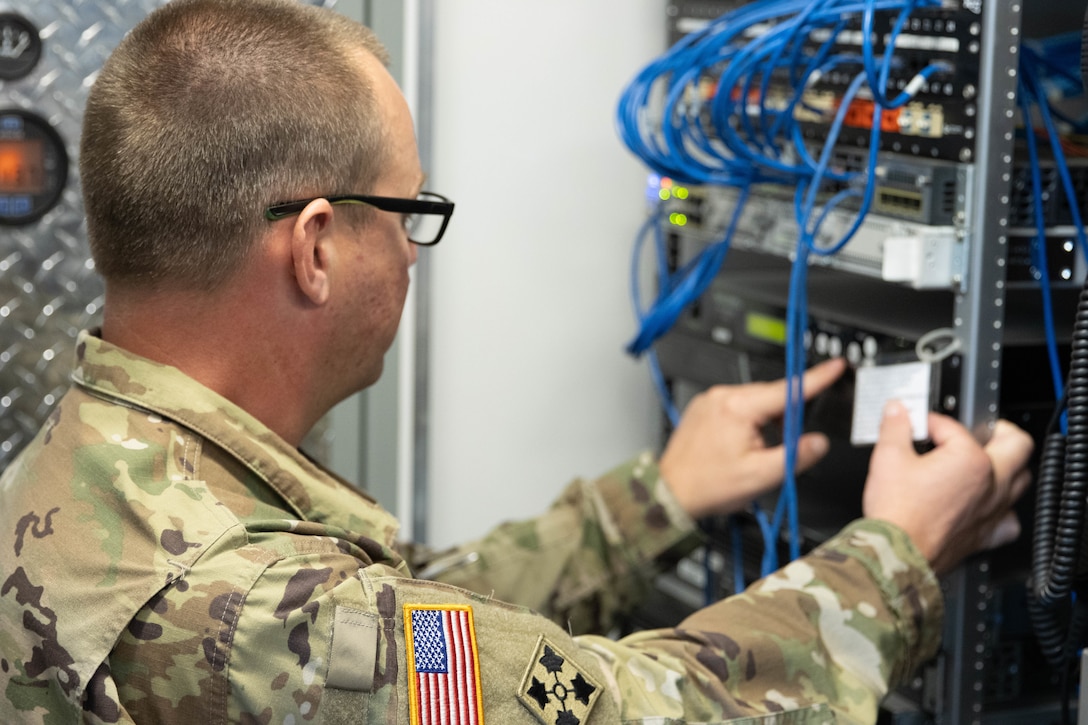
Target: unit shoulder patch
554	689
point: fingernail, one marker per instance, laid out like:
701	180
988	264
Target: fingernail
1007	531
819	446
893	408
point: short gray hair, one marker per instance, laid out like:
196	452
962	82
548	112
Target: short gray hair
208	112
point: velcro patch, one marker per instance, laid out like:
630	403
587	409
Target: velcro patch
554	689
353	656
443	665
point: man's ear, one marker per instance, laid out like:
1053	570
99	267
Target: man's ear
312	251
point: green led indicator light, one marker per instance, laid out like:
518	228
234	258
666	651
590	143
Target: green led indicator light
766	328
678	219
681	192
664	194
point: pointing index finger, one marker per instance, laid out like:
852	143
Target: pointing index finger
768	400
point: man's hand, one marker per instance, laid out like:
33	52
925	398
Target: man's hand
955	499
716	461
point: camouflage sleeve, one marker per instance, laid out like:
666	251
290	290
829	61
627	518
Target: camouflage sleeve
588	559
821	641
832	632
316	637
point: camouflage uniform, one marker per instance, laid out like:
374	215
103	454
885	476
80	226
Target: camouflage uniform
166	558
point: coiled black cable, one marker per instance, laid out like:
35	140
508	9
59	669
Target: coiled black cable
1058	615
1057	599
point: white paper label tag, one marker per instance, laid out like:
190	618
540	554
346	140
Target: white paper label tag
876	385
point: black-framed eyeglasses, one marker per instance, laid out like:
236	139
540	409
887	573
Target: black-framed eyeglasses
425	220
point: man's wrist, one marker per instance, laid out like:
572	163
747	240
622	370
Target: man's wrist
644	513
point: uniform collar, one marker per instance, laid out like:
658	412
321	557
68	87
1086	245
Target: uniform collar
312	492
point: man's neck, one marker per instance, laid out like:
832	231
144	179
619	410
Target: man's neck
243	357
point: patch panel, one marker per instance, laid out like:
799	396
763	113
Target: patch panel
940	122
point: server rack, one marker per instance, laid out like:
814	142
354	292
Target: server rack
982	290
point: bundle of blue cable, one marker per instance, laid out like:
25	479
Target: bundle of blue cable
721	108
1045	64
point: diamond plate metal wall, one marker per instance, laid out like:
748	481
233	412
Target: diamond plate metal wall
48	286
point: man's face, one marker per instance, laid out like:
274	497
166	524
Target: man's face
377	256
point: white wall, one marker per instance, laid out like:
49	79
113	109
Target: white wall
530	385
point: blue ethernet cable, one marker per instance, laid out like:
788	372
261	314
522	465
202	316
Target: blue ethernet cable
720	141
654	223
1032	94
678	290
1038	95
1025	99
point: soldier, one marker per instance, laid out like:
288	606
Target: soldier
254	201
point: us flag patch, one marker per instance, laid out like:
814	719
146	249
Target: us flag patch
444	687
